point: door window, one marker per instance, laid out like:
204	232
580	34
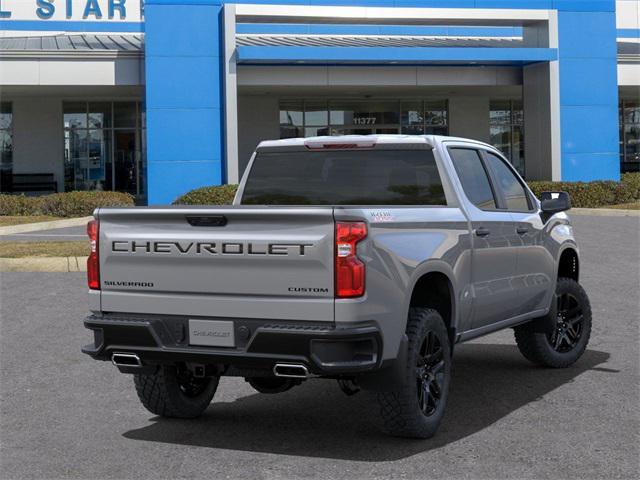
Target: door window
515	197
473	177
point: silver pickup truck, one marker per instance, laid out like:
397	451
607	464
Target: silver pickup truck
363	259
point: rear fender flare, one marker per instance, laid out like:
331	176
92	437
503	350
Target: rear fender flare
435	266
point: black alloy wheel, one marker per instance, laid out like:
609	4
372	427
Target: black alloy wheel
415	407
569	324
430	374
559	338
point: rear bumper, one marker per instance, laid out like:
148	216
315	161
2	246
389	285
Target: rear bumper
326	350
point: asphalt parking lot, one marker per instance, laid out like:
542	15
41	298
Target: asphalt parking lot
66	416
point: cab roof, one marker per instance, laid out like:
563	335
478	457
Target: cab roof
360	141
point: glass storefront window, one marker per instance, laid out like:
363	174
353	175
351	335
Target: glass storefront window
6	116
291	119
631	111
75	115
501	138
435	113
305	118
99	115
630	136
506	130
517	112
87	159
500	112
104	147
437	130
6	146
364	113
316	114
124	114
316	131
412	130
412	113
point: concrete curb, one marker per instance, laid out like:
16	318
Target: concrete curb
604	212
37	227
44	264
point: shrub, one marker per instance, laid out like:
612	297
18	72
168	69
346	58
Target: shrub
80	204
595	194
630	188
218	195
68	204
19	205
586	195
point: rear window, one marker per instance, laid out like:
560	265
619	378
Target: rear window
343	177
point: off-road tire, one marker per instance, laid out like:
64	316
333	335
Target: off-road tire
537	347
400	410
164	394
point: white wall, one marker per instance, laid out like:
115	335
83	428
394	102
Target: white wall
38	141
89	70
629	74
258	119
628	14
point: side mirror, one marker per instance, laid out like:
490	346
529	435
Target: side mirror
554	202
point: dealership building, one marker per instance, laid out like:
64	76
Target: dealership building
159	97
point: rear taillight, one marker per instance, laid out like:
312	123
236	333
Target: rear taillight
93	262
349	268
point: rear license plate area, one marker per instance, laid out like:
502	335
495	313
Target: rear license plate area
211	333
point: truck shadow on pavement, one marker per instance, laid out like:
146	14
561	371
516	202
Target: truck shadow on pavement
317	420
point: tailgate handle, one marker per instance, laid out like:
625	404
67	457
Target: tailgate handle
207	221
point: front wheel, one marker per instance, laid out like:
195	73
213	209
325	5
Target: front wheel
415	410
567	342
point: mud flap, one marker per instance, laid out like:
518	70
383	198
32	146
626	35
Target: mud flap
390	376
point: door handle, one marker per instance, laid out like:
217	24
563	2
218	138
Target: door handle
482	232
522	230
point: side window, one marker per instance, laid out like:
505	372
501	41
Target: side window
513	191
473	177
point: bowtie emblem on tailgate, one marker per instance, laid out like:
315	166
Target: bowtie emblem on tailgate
209	248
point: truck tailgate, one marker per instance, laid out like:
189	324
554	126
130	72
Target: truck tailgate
233	262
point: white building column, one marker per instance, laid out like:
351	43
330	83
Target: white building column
231	96
541	101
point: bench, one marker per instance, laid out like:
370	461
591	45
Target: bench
33	182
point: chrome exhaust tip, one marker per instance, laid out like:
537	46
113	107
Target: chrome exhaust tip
126	360
290	370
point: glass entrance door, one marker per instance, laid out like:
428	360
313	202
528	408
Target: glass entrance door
126	162
104	147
